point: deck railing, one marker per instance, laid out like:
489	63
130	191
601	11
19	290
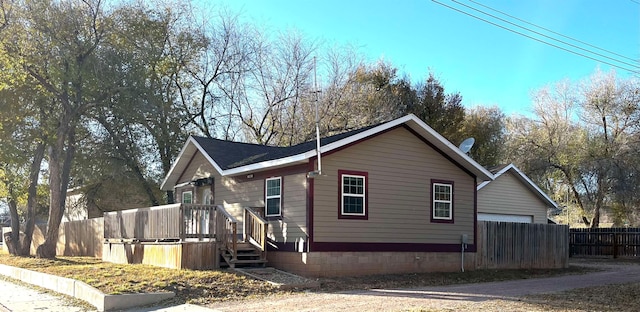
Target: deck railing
168	222
199	221
144	224
184	221
255	230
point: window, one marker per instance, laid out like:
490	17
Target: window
442	205
273	198
207	199
187	197
353	194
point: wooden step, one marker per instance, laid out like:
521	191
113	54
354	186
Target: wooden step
247	261
245	246
232	263
247	254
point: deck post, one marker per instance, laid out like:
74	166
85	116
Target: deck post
234	240
182	225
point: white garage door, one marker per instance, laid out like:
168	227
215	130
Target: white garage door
504	218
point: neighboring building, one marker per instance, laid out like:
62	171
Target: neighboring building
109	194
75	207
395	197
512	197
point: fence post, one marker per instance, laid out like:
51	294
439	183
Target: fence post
615	245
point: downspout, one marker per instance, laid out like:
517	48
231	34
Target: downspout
462	262
463	241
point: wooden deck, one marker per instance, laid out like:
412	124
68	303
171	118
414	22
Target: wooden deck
184	236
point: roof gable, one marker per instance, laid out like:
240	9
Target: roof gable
231	158
501	169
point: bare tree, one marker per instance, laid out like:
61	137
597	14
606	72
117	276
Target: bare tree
582	135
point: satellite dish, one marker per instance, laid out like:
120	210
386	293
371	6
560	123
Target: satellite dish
466	145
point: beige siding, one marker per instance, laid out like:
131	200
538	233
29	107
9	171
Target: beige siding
400	167
235	195
508	195
293	226
198	168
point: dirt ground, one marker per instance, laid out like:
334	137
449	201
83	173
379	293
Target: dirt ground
496	296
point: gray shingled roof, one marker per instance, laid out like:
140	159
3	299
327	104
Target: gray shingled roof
229	154
496	169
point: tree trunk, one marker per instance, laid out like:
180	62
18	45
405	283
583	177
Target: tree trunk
34	174
59	169
12	239
595	222
600	195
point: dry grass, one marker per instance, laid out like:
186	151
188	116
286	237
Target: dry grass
621	297
207	287
189	285
441	278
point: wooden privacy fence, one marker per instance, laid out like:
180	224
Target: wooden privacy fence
506	245
616	242
75	238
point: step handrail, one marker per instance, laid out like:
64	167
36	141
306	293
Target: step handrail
255	229
227	230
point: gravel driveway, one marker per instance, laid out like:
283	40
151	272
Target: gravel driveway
481	296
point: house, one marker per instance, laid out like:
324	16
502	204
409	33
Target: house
105	194
75	208
512	197
391	198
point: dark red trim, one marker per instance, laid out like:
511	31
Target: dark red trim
310	188
366	194
434	220
400	247
260	175
264	195
439	151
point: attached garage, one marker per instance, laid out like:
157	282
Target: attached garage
512	197
504	218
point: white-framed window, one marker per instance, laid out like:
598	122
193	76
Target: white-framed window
442	206
273	197
187	197
353	194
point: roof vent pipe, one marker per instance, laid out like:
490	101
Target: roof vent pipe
318	172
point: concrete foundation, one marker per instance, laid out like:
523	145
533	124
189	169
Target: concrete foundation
330	264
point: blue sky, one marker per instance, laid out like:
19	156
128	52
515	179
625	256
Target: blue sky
487	65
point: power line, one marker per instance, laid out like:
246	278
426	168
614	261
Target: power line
536	39
553	32
546	36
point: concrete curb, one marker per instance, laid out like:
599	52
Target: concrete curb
83	291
